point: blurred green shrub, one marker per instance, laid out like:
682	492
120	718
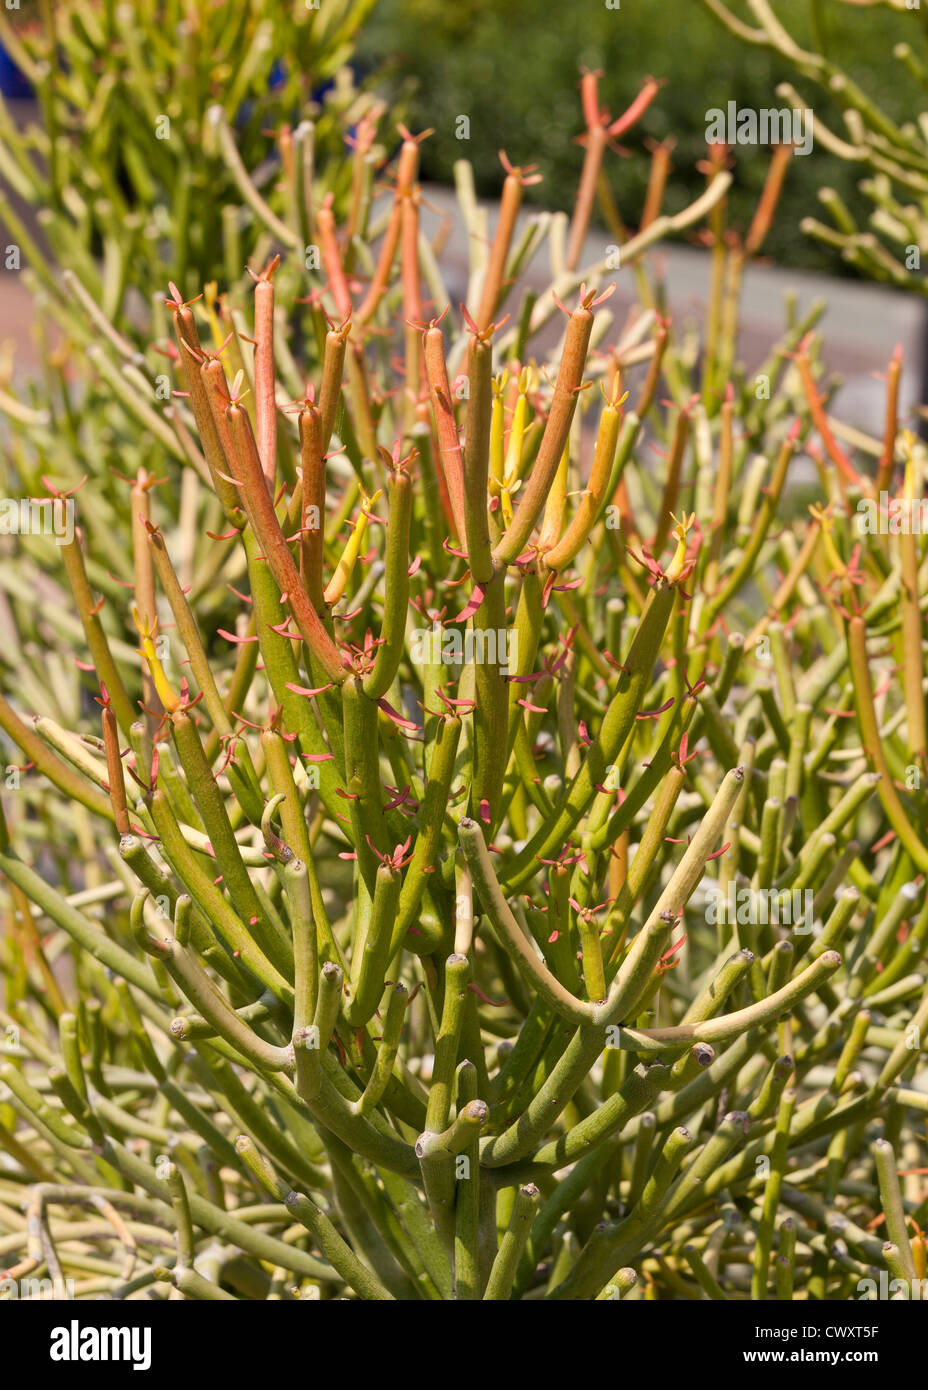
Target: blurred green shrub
512	70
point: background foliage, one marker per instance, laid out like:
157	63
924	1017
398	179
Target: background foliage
513	70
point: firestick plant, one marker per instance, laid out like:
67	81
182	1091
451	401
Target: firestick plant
405	968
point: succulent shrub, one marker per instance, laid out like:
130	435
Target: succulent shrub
129	180
501	844
170	142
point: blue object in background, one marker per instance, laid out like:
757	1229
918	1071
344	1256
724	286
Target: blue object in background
12	82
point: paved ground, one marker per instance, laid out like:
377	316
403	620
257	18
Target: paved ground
861	326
